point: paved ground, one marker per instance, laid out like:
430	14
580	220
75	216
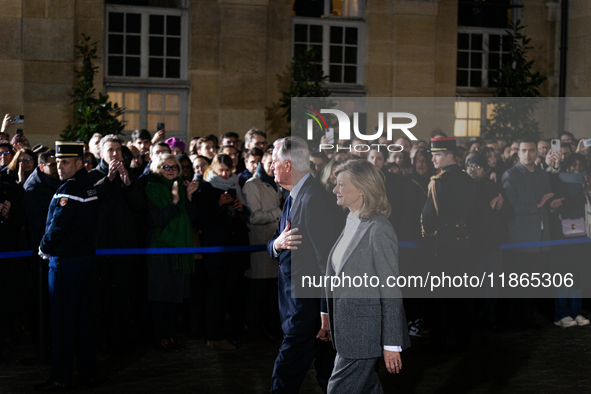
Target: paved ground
545	360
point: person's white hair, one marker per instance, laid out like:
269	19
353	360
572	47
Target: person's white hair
295	150
160	159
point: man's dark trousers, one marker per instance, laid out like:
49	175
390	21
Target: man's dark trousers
300	317
70	287
296	354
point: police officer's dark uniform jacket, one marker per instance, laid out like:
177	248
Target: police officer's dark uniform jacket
69	241
72	215
448	207
445	216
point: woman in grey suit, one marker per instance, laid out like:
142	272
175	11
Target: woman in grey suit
366	321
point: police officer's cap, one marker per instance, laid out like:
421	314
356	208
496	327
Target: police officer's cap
443	144
69	149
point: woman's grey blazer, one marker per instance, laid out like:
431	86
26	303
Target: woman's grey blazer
364	319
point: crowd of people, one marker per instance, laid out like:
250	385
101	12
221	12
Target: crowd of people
157	192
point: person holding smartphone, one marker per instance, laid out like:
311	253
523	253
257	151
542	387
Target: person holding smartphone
223	221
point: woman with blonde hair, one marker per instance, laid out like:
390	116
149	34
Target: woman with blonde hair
327	178
365	322
170	207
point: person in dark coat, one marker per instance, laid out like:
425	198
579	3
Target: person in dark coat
305	323
224	224
489	229
117	275
13	278
39	190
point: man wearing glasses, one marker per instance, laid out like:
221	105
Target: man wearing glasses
6	154
255	138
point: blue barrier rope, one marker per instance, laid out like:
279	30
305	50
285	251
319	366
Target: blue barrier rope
21	253
558	242
257	248
203	249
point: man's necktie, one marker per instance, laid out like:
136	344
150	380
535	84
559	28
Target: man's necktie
288	203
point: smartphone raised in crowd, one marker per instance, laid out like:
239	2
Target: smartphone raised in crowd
159	126
329	134
17	119
555	146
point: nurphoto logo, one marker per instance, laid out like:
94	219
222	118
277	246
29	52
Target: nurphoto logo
344	127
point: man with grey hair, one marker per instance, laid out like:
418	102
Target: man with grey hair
119	198
310	223
255	138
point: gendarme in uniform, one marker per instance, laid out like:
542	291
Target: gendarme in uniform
445	222
449	203
68	243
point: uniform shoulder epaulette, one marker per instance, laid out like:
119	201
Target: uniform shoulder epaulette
438	176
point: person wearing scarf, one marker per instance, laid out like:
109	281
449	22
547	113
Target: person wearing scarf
224	224
570	185
225	184
263	198
170	208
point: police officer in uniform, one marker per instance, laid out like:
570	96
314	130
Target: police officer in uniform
68	244
445	223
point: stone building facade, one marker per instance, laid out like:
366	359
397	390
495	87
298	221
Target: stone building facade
213	66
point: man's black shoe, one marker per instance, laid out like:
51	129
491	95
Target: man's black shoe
50	386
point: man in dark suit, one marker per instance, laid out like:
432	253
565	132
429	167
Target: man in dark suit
308	227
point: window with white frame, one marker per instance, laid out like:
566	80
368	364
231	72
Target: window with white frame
145	108
481	52
470	116
338	43
335	29
146	43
